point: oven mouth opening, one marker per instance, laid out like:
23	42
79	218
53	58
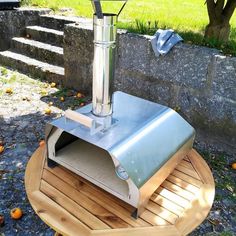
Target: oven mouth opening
90	162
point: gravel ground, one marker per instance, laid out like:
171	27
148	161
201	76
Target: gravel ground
22	121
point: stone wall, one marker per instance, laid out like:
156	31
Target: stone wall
199	81
78	56
13	23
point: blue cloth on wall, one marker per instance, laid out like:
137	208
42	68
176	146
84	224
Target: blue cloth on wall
164	40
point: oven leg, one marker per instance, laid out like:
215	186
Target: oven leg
135	214
51	163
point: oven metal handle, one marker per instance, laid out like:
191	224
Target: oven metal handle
80	118
87	121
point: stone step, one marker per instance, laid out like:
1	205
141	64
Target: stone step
55	22
42	34
32	67
38	50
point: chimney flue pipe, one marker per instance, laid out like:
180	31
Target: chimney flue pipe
105	33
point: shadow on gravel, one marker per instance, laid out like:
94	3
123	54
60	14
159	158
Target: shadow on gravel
66	99
20	136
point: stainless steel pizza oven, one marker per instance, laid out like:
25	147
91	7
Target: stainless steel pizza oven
123	144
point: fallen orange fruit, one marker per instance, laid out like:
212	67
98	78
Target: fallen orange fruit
62	99
234	166
41	143
2	220
79	95
53	85
50	103
47	111
44	92
16	213
1	149
9	90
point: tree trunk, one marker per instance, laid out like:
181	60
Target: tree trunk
220	13
218	31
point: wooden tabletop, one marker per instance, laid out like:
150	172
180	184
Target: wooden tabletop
73	206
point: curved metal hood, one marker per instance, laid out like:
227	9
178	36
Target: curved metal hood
143	137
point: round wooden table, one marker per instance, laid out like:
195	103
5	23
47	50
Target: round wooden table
73	206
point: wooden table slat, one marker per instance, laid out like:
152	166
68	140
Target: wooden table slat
77	182
186	159
201	168
99	211
104	198
150	231
153	219
56	216
115	208
162	212
188	171
183	184
167	204
187	178
172	197
34	171
178	190
76	210
186	164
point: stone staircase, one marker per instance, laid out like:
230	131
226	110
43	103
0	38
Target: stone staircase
40	52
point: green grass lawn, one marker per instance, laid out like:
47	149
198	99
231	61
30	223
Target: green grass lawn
187	17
